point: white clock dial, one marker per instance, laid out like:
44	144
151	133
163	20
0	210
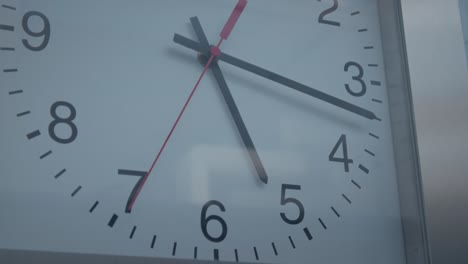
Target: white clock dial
282	154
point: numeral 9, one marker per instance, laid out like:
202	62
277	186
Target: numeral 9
44	32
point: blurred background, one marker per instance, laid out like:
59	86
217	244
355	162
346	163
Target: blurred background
439	75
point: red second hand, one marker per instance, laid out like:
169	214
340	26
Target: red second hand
215	51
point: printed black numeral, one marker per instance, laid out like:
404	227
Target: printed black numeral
327	12
294	201
205	220
68	121
357	78
345	159
44	32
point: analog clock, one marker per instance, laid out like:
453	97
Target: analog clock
184	131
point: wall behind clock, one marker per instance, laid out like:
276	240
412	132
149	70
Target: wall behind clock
439	76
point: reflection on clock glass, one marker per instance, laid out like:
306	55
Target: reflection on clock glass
228	130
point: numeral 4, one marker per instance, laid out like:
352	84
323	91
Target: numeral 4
345	158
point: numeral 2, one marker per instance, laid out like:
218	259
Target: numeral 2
327	12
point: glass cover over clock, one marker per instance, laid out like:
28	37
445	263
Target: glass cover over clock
236	131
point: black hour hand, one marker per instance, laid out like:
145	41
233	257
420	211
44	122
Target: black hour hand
231	104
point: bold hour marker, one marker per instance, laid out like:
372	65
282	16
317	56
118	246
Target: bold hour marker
256	253
93	207
369	47
346	198
153	241
216	254
7	27
373	65
362	30
113	220
374	136
76	191
23	113
195	252
9	7
377	101
355	13
43	156
370	152
132	173
133	232
335	211
33	134
363	168
356	184
10	70
274	249
236	255
376	83
292	242
60	173
7	49
307	233
174	249
15	92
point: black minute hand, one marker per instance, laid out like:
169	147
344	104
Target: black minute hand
231	104
188	43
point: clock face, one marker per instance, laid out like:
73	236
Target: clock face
282	153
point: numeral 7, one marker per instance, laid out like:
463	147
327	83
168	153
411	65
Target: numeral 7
140	174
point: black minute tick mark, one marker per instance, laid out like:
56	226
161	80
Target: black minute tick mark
370	152
23	113
94	207
43	156
15	92
256	253
60	174
274	249
346	198
9	7
76	191
174	249
133	232
322	223
292	242
308	234
356	184
335	211
153	241
363	168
